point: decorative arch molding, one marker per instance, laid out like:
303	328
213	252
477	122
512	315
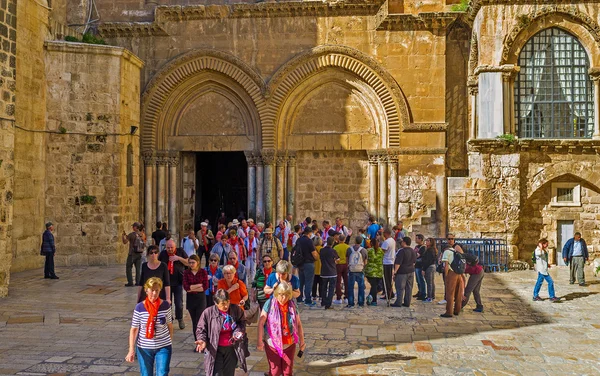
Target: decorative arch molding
565	17
577	172
318	59
473	60
161	87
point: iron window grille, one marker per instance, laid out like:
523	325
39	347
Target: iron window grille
554	95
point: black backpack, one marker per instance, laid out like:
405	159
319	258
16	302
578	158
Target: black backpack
471	259
459	263
297	257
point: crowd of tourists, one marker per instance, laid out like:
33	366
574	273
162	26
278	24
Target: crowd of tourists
262	272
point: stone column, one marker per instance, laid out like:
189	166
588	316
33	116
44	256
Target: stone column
473	91
393	187
268	158
251	184
260	189
595	76
281	161
291	184
161	196
173	166
508	95
383	185
149	162
372	183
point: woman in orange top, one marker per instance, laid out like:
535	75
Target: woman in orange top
238	293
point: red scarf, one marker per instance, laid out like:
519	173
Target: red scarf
170	265
268	272
152	309
237	263
286	335
213	270
204	240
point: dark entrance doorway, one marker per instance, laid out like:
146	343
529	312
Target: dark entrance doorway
221	185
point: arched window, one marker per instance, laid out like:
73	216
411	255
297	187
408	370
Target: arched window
554	96
129	165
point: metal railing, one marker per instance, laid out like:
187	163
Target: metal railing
492	253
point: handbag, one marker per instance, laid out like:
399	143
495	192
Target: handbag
251	308
440	268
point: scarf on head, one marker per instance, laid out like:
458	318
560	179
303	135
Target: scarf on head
275	325
152	309
171	263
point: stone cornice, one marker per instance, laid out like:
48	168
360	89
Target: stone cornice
580	146
130	29
315	8
416	151
97	49
421	21
506	68
425	127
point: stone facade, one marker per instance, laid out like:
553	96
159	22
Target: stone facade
342	108
8	53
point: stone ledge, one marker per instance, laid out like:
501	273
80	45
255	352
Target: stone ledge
425	127
96	49
131	29
422	21
580	146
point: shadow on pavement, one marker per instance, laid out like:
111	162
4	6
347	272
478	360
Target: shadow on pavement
577	295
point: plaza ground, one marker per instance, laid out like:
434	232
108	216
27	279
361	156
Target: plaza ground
79	325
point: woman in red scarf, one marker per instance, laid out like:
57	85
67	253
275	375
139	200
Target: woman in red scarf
151	332
238	293
281	329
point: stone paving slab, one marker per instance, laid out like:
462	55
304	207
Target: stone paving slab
79	325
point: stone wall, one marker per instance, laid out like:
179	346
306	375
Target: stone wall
92	101
333	184
8	39
30	152
508	193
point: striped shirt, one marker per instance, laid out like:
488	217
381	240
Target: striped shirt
162	338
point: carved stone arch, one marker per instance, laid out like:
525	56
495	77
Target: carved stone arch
562	169
565	17
473	56
318	59
183	69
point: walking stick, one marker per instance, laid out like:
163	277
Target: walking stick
387	296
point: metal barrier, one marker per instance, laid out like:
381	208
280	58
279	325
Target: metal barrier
492	253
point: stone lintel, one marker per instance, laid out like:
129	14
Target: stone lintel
421	21
580	146
95	49
425	127
508	69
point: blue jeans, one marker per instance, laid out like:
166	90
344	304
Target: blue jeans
538	285
421	282
359	278
307	277
286	254
147	358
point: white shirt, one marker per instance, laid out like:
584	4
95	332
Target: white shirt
389	246
188	246
541	261
243	233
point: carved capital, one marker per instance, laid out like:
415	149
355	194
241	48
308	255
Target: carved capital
173	159
251	158
162	158
594	73
148	157
373	156
268	156
392	156
281	160
291	159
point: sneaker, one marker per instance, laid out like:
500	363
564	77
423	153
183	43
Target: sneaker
555	299
349	306
445	315
582	284
478	309
311	304
537	299
337	301
443	301
345	301
428	300
373	304
369	299
181	324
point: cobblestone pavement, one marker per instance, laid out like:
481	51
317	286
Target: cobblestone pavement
79	325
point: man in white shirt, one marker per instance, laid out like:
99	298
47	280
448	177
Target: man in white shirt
389	247
190	243
339	227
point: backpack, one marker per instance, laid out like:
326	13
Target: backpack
471	259
297	257
138	244
356	263
459	263
533	257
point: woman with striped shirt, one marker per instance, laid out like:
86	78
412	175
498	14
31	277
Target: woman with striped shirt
151	331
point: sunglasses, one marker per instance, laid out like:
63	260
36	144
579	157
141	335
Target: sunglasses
153	252
214	260
450	238
267	261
